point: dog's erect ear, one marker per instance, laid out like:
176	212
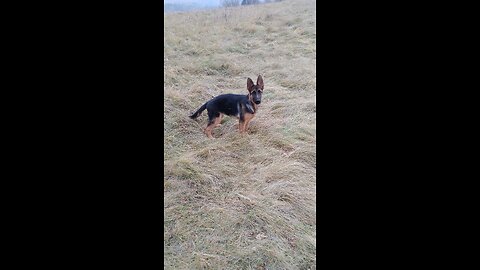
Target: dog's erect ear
260	82
249	85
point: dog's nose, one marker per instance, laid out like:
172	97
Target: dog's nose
257	101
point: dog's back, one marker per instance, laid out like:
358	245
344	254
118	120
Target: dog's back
228	104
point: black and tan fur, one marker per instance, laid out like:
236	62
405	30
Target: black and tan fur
240	106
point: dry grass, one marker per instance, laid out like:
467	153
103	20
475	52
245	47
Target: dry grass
241	202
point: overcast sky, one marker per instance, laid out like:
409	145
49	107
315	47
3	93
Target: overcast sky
215	2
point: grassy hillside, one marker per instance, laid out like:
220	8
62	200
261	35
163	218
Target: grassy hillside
241	202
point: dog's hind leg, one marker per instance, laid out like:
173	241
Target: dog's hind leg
212	123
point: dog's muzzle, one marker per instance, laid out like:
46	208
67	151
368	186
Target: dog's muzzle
257	102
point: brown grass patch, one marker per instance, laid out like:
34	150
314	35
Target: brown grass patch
241	202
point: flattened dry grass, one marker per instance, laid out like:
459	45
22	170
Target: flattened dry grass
241	202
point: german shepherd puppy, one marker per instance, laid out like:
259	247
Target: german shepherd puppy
240	106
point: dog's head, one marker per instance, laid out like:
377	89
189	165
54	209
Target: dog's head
255	90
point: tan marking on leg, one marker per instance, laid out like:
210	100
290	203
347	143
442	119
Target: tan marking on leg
240	126
210	127
248	118
208	131
218	120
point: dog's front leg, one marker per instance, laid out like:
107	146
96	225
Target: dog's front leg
241	126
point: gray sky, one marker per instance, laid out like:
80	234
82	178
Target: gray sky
211	2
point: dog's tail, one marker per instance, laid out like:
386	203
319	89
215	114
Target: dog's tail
199	111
